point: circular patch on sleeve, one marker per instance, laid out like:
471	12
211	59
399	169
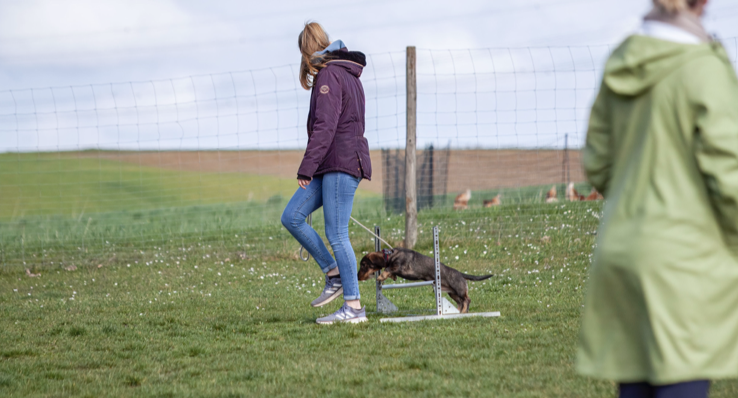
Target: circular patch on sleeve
324	89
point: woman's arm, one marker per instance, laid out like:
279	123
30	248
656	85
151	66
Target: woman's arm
715	95
326	113
597	157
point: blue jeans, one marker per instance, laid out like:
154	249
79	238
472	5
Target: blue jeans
335	192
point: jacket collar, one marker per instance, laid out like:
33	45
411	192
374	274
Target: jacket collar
668	32
337	51
353	61
344	54
683	20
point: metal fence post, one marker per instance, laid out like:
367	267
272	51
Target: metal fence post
377	248
411	200
386	187
437	263
565	163
431	190
397	198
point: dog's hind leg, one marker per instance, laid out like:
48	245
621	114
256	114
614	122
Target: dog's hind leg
457	299
465	307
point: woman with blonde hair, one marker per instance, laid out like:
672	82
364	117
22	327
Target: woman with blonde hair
661	311
335	161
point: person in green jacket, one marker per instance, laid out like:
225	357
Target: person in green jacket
661	309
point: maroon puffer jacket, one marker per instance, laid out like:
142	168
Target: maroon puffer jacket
336	120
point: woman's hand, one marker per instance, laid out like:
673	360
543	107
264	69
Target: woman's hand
303	183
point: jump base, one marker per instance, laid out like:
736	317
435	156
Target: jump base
434	317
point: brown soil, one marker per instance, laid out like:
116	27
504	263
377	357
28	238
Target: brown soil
492	169
475	169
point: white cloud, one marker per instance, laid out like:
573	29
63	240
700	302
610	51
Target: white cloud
46	31
78	42
50	18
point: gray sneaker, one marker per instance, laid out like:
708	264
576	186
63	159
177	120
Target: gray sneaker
344	314
333	288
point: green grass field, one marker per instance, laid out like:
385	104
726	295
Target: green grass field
211	300
33	184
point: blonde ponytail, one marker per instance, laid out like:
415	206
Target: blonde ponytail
311	40
674	6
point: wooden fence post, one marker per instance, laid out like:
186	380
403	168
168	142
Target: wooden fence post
411	199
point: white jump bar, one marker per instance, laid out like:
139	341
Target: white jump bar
407	285
446	316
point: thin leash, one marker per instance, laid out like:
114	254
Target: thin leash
310	221
373	234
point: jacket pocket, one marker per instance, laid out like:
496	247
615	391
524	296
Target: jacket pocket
365	162
361	165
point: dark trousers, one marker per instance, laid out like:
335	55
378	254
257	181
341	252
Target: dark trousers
690	389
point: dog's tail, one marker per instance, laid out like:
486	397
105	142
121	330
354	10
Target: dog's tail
475	277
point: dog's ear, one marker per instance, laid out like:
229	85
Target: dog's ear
369	265
372	260
377	259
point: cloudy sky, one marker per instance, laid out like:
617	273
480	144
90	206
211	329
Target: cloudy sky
138	44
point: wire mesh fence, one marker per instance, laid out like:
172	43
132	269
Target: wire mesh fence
515	120
431	178
88	173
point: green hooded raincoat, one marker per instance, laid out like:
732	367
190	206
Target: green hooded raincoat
662	146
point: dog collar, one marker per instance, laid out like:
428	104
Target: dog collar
387	253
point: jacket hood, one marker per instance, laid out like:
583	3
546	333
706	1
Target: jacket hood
335	46
640	62
353	61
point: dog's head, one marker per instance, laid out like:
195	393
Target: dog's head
370	264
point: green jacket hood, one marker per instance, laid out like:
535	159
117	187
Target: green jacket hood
641	61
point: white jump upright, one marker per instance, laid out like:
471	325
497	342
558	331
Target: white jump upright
444	308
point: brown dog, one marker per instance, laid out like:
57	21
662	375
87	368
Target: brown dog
414	266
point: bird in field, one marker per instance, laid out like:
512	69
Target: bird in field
572	195
594	195
551	195
462	200
496	201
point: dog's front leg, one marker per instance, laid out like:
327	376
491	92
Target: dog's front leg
384	275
